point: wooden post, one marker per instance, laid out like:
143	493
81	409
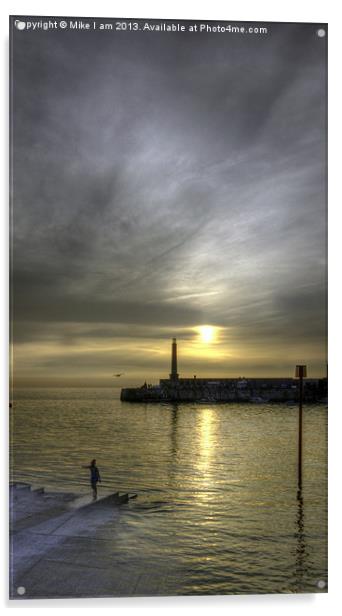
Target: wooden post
300	433
300	373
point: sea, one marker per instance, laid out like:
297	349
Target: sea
217	511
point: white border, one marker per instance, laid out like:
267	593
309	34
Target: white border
248	10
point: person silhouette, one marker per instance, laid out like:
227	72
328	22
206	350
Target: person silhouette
94	477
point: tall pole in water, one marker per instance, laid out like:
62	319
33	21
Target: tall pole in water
301	374
174	373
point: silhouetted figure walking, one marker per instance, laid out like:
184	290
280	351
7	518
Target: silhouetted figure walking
94	477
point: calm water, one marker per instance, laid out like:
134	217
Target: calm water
217	508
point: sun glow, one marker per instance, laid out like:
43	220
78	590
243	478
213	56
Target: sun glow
207	333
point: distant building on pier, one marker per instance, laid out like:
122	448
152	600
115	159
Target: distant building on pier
217	389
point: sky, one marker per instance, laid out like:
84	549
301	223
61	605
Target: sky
167	185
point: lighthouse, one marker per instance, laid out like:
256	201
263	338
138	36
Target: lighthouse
174	373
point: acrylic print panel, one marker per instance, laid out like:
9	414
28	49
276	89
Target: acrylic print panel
168	282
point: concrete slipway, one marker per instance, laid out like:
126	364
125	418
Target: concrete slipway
61	545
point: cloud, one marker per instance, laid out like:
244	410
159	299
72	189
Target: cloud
169	181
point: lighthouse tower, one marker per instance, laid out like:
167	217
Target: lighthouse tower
174	374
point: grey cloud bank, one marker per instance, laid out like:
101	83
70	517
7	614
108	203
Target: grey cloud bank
167	181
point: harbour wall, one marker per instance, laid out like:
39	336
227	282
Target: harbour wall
255	390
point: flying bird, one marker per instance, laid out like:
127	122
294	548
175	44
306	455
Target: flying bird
121	373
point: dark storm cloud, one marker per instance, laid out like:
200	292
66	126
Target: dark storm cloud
170	180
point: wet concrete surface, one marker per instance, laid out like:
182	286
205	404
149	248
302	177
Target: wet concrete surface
59	547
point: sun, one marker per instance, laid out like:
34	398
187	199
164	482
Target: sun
207	333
